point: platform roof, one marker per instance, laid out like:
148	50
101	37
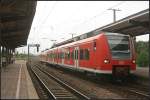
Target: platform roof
134	25
16	20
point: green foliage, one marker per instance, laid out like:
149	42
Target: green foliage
21	56
142	51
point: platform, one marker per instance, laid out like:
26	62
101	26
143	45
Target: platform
16	82
142	71
142	74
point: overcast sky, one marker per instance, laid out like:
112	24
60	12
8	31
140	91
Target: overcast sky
55	20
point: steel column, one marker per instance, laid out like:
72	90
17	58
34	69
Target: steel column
0	57
3	56
9	57
6	56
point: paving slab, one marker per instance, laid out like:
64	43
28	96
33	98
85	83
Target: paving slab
16	82
142	71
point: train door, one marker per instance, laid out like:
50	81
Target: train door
62	55
76	57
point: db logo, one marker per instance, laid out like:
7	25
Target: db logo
121	62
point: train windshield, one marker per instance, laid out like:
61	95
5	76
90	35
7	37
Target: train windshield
119	46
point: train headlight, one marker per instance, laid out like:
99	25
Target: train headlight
133	61
106	61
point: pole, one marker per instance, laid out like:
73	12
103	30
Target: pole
28	53
114	13
0	57
72	34
32	45
0	51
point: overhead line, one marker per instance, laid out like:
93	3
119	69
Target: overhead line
47	15
100	14
49	12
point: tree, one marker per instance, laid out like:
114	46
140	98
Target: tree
142	59
142	50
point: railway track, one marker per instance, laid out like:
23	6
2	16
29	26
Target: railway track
40	91
55	88
129	89
134	90
140	93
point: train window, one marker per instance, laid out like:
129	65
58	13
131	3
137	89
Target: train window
77	53
68	55
86	54
53	55
81	54
119	46
63	55
58	55
94	45
72	54
50	55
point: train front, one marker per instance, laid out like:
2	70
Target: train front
122	54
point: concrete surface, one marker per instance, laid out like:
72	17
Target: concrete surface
142	71
16	82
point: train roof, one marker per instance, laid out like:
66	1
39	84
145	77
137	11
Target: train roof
87	39
82	40
118	34
84	36
77	38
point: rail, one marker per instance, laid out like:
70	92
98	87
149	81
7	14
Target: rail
61	91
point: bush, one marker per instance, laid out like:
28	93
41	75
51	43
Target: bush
143	59
142	51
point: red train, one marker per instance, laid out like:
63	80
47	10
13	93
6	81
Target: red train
97	52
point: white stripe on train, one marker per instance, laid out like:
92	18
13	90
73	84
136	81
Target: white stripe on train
83	68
